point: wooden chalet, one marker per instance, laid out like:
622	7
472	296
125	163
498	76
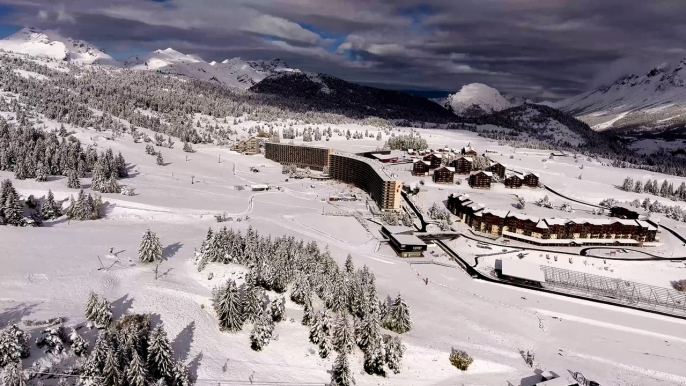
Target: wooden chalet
420	168
433	159
497	169
463	165
480	179
531	180
513	180
469	150
444	175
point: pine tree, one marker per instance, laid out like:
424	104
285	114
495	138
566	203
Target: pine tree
301	289
394	352
349	266
13	210
50	209
278	308
41	173
399	319
375	357
181	374
98	179
136	372
638	188
307	313
150	249
187	147
262	331
253	303
228	308
160	160
92	306
368	333
343	336
14	375
103	314
160	355
111	374
13	345
79	346
340	372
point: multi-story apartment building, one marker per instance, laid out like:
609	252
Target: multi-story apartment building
315	158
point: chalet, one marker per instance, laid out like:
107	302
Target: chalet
513	180
531	180
463	165
444	175
469	150
250	146
628	212
433	159
420	168
480	179
498	169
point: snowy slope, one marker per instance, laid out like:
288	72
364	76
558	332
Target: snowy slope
651	100
231	72
477	99
32	41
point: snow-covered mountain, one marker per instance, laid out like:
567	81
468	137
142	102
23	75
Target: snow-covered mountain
653	100
231	72
476	99
35	42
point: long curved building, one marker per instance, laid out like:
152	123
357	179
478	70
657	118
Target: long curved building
362	172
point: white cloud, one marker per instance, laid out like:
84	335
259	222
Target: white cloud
281	28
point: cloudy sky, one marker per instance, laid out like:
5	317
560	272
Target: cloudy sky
533	48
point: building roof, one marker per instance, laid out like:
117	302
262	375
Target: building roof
468	148
384	156
522	270
541	225
376	165
532	173
407	239
520	216
556	221
463	197
452	169
510	174
497	212
645	224
481	171
420	160
468	159
395	229
630	208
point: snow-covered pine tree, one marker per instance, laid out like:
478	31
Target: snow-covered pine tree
375	357
308	315
262	331
103	314
136	373
227	305
187	147
111	185
111	373
160	355
14	375
13	345
50	209
349	266
301	289
369	332
98	179
92	305
343	338
278	308
399	319
253	302
150	249
340	372
159	160
181	374
79	346
394	352
41	173
13	210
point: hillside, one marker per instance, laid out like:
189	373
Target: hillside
654	100
35	42
324	93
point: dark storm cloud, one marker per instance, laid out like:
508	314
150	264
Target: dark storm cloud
543	48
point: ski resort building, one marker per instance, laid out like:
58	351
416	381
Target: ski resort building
552	231
444	175
497	169
531	179
434	160
480	179
420	168
362	172
463	165
366	175
315	158
403	241
628	212
513	180
469	151
250	146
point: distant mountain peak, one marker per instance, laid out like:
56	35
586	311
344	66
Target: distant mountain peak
477	99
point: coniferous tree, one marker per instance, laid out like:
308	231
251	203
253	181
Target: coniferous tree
343	338
638	188
253	303
99	180
160	355
301	289
103	314
92	305
13	345
41	173
14	375
262	331
399	319
79	346
308	314
160	160
340	372
375	357
73	181
394	352
278	308
150	249
111	374
136	372
50	209
181	373
13	210
227	305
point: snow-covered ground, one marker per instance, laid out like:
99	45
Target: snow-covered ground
49	271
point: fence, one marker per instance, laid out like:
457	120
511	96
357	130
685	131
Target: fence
637	295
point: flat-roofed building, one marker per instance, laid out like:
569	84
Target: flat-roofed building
315	158
368	176
248	146
444	175
407	245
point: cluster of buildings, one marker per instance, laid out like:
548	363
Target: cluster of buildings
432	163
552	231
250	146
360	171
